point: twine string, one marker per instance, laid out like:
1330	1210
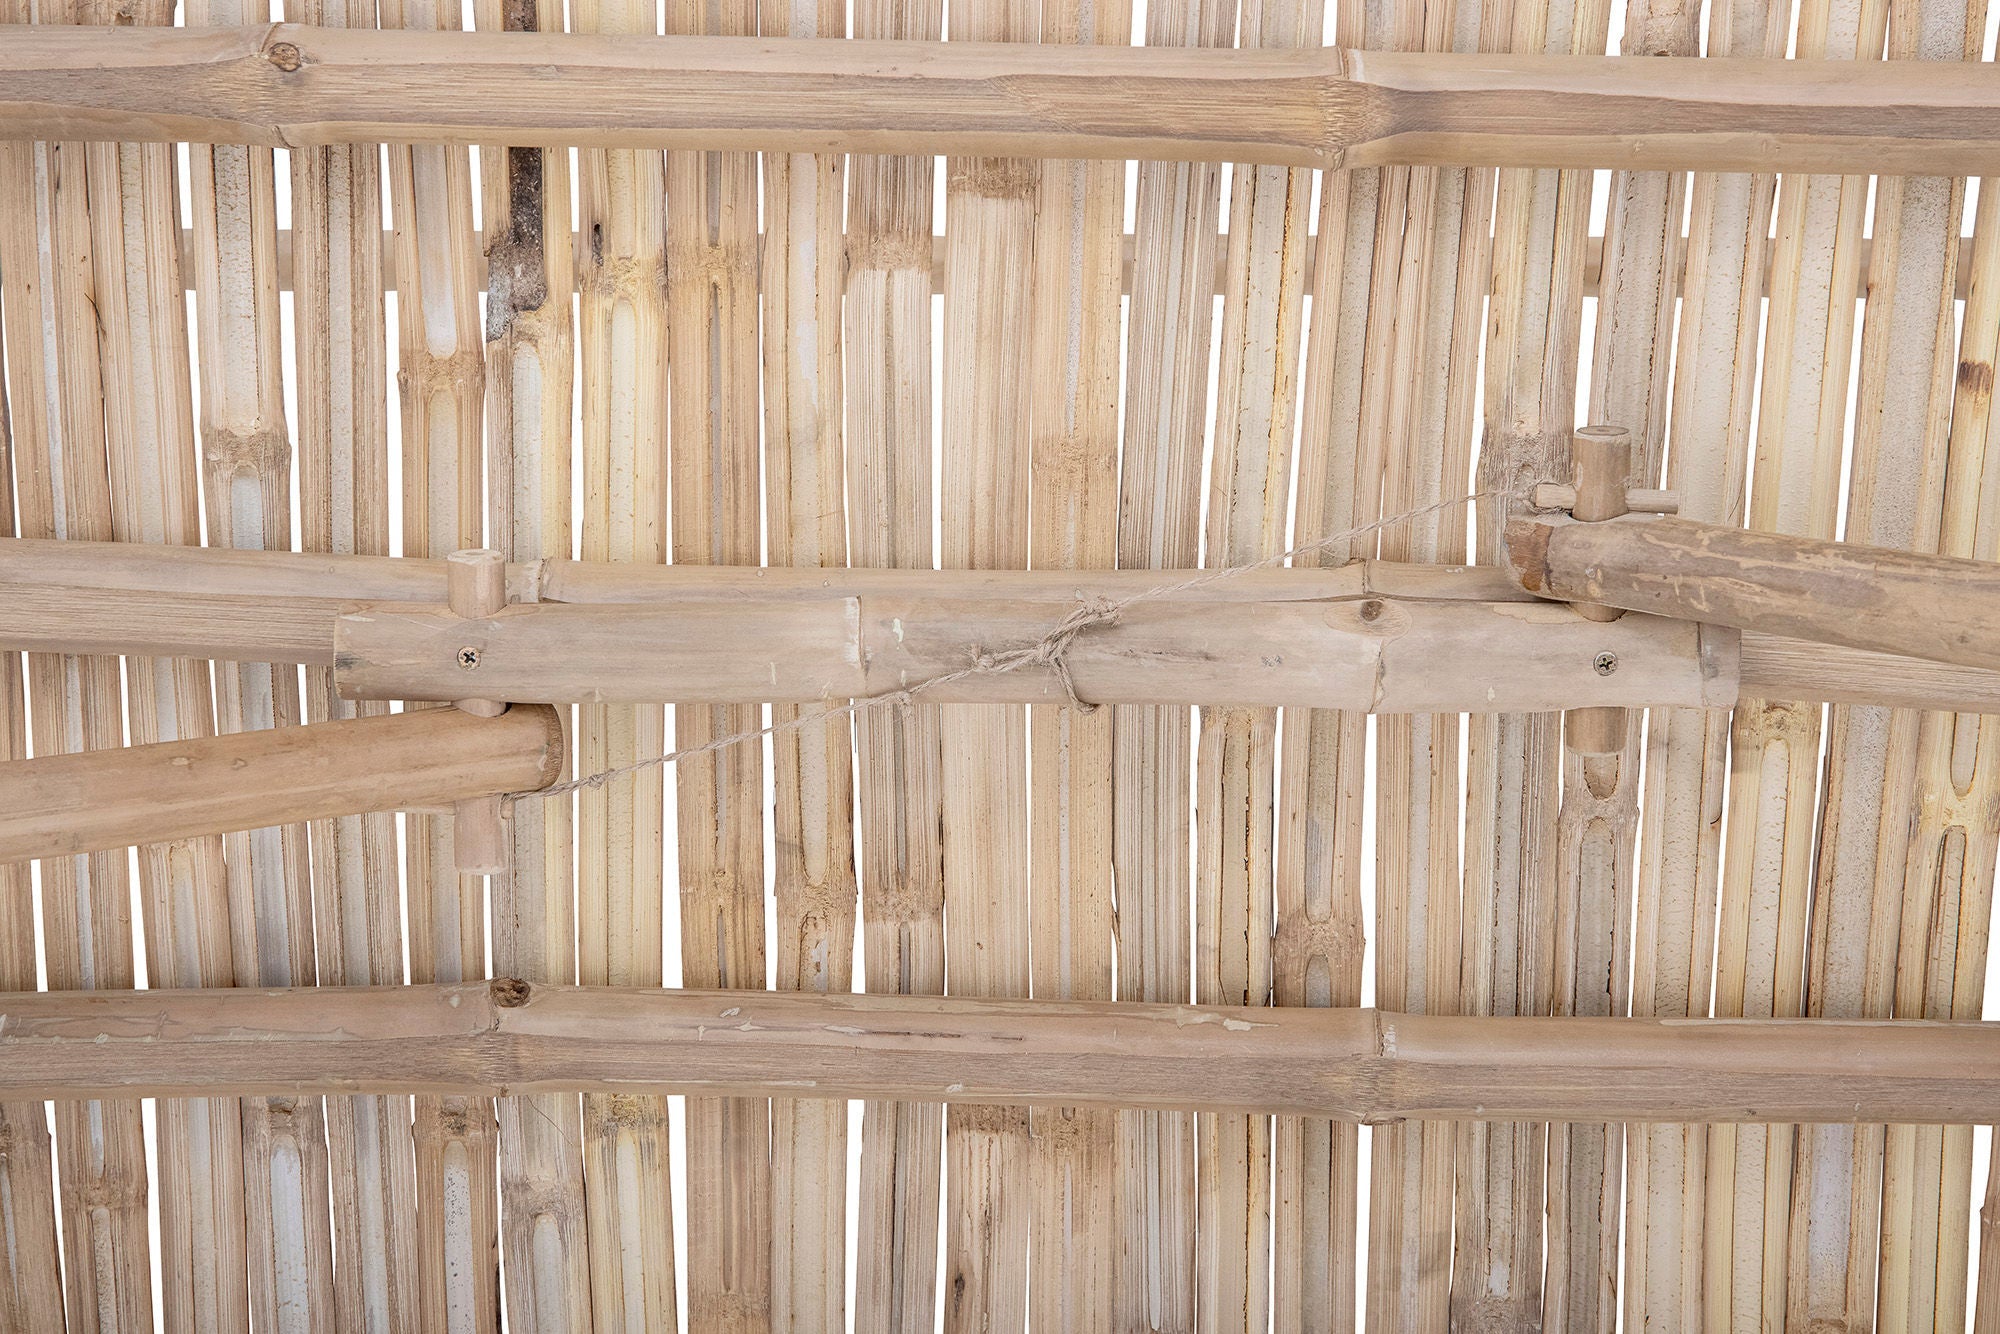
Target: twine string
1051	651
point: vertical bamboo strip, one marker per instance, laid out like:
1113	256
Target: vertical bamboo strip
990	206
530	356
149	433
1896	498
1742	1262
31	1277
440	378
624	337
888	409
1320	936
1076	333
1948	880
1673	924
63	491
804	196
1249	495
344	490
1171	327
1541	221
713	430
1986	1309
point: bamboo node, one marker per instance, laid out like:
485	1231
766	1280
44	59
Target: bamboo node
285	56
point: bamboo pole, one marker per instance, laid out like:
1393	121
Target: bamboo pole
813	820
62	490
1176	273
475	1039
623	328
287	85
1077	338
31	1276
68	805
712	313
530	353
990	210
887	399
149	435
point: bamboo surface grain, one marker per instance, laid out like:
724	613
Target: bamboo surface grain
775	417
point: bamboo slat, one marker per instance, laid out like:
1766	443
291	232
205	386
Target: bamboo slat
887	400
530	356
31	1276
1175	275
345	484
804	272
990	211
624	335
440	373
149	435
1077	339
714	445
63	491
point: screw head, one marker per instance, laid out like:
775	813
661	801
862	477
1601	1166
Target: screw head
468	657
1605	663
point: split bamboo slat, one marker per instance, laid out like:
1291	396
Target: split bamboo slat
440	368
1076	339
623	336
31	1282
791	355
149	433
62	489
339	339
813	820
714	441
1177	260
530	357
990	209
887	401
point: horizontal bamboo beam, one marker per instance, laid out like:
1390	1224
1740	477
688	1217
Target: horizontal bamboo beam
1365	654
286	85
1894	602
150	601
508	1037
63	804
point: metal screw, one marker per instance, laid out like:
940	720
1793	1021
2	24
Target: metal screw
1605	663
1371	610
468	658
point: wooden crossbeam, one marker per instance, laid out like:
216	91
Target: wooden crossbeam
509	1037
287	85
1937	607
64	804
819	630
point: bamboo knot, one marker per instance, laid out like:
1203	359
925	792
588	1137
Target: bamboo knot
261	453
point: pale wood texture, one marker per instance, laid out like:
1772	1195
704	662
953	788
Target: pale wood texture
290	86
63	805
887	397
62	490
1348	1063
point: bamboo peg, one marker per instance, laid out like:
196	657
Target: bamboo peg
476	587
